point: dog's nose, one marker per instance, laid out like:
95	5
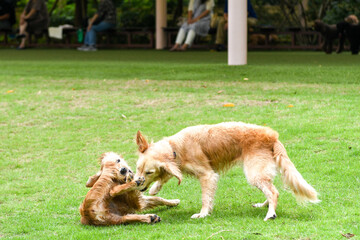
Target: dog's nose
123	171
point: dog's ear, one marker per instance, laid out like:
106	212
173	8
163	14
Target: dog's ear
141	142
173	169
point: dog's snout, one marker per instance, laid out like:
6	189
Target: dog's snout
123	171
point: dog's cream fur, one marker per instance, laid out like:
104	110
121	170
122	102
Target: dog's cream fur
114	196
205	151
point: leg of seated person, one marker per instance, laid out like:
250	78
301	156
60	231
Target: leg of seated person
251	21
22	31
221	32
189	39
102	26
179	39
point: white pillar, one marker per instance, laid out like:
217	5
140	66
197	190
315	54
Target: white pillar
237	32
161	22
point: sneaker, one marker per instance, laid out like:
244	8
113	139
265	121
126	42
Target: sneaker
83	47
91	49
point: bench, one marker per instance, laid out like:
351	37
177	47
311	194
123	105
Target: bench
126	38
5	33
35	37
112	38
293	34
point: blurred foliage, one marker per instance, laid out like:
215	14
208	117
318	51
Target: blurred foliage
340	9
277	13
285	13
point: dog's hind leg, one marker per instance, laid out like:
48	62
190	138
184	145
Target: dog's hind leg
148	202
260	171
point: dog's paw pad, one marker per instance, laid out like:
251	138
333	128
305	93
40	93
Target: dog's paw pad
273	216
155	218
270	217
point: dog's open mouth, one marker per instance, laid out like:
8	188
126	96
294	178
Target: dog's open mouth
144	189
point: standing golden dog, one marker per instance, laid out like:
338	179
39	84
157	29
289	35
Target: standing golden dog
114	196
206	150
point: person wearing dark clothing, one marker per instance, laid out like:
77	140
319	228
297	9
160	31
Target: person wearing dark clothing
34	19
7	15
106	16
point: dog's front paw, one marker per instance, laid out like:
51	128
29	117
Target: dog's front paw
112	193
270	215
140	181
153	218
174	202
155	188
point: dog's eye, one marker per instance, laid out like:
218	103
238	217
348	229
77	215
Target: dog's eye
118	160
148	173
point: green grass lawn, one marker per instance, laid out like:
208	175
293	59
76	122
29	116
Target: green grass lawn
60	109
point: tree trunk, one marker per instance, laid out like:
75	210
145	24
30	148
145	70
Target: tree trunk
80	13
178	11
53	7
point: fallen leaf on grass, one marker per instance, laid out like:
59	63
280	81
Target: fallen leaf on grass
229	105
204	86
147	80
220	91
246	79
290	106
348	235
10	91
123	116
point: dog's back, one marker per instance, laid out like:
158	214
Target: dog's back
95	206
225	144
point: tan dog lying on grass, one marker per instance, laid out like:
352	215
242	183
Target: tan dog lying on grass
206	150
114	198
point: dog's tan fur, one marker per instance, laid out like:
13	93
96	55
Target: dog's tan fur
114	197
206	150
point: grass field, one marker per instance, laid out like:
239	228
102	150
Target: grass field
60	109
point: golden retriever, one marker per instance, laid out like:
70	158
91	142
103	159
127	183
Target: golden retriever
205	151
114	196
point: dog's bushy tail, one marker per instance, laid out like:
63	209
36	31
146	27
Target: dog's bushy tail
303	191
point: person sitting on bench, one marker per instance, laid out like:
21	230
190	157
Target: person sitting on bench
33	19
103	20
198	22
7	15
